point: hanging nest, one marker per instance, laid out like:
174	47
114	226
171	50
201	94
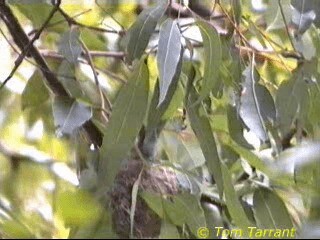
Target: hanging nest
155	179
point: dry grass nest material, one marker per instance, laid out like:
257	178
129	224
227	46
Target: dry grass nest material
154	179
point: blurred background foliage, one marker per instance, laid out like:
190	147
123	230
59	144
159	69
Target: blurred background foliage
39	174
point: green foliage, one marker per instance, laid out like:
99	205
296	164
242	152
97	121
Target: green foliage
129	111
168	57
153	119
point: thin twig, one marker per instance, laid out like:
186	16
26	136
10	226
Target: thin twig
113	18
107	54
72	21
286	25
61	21
103	98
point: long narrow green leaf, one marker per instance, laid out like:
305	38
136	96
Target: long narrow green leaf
292	101
212	59
169	56
236	127
270	211
126	120
234	206
201	127
180	209
249	156
141	31
156	114
257	105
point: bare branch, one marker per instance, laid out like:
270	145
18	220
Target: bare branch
107	54
103	98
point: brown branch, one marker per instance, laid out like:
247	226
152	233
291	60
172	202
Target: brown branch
107	54
22	40
25	50
17	32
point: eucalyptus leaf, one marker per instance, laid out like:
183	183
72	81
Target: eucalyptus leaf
292	101
69	114
235	126
185	209
159	114
201	127
277	17
168	231
168	56
128	113
141	31
269	210
69	45
234	205
237	10
256	104
302	21
212	59
35	93
182	148
67	76
180	209
305	13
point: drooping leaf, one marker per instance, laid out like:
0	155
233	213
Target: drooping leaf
168	57
235	127
299	156
125	122
304	14
256	104
69	114
302	21
234	205
269	210
201	127
183	148
249	156
277	17
154	202
35	93
292	101
185	209
141	31
168	231
237	10
69	45
212	59
305	45
67	76
180	209
157	114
